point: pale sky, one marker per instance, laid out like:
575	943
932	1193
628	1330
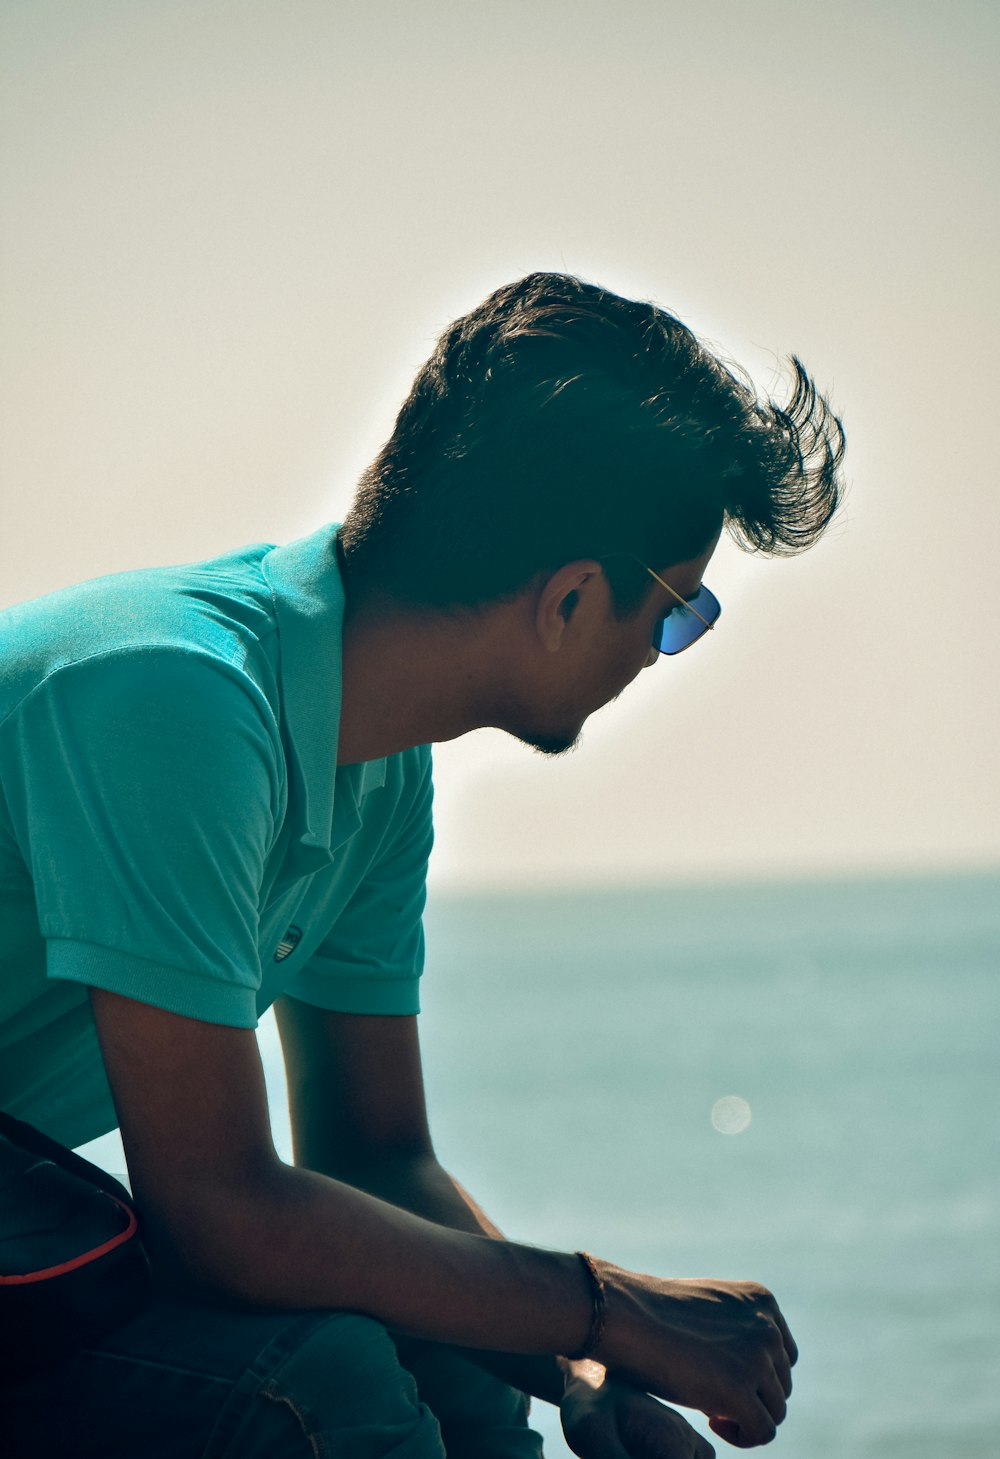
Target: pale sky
232	232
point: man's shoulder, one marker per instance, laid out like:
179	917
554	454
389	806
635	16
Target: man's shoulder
217	609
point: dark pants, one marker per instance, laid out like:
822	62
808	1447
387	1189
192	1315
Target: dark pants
186	1381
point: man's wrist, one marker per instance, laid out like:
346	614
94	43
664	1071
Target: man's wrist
598	1308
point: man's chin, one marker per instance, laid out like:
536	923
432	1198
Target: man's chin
547	746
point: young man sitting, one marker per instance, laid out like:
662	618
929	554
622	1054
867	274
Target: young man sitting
216	796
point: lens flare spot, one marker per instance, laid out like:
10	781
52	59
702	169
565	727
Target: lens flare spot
731	1115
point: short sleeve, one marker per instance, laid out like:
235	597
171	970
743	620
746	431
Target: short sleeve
372	959
144	787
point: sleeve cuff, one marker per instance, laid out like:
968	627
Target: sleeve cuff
357	995
177	990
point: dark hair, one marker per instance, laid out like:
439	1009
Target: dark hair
559	421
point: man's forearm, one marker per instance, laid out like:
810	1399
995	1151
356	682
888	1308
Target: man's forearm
289	1237
423	1186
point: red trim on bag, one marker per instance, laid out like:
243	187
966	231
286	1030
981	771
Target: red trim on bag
87	1256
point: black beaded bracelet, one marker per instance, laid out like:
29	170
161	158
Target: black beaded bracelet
599	1298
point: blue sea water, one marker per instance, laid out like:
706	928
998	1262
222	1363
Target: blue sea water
576	1045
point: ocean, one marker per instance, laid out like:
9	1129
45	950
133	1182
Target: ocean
576	1046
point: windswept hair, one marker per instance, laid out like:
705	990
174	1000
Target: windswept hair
558	421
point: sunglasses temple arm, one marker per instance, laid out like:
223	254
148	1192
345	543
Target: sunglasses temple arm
683	601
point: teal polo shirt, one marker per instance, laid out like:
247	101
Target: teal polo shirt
173	824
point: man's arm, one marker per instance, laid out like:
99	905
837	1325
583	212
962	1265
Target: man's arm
359	1114
356	1094
222	1210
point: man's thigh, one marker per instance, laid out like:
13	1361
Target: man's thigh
185	1380
190	1381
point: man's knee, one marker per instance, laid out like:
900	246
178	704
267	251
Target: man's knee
478	1413
342	1391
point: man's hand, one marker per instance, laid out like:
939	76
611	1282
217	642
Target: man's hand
604	1418
721	1347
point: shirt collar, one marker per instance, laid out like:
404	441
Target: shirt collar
324	804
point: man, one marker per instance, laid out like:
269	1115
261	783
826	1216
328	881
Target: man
216	796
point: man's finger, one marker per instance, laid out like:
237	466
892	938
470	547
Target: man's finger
786	1337
780	1360
656	1431
678	1442
770	1394
783	1372
753	1426
685	1442
726	1429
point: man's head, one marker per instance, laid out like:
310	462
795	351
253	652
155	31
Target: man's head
577	652
559	422
559	443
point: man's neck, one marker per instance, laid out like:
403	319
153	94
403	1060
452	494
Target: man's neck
412	677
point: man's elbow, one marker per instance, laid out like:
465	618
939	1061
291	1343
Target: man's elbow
217	1236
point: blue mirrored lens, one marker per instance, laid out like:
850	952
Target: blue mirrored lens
682	626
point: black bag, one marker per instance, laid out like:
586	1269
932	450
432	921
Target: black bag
72	1266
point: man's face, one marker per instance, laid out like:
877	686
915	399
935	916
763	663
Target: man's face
605	660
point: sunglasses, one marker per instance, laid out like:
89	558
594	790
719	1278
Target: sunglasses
687	620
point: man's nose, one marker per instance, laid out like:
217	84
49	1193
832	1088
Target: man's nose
651	657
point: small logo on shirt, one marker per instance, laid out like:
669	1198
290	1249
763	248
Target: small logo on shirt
288	944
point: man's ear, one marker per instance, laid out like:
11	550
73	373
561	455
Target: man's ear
560	598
